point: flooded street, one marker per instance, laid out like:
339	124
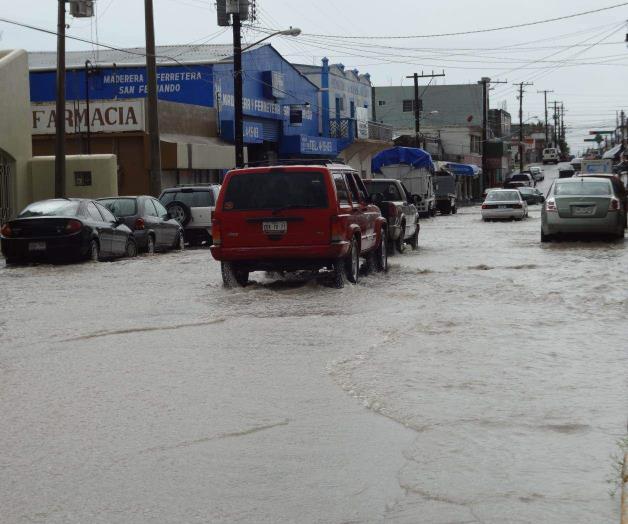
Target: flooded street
483	379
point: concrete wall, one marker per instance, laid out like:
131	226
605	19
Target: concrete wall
15	124
103	169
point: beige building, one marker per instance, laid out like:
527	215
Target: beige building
15	133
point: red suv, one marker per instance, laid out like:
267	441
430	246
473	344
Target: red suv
289	218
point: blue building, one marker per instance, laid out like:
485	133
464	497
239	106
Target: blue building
284	113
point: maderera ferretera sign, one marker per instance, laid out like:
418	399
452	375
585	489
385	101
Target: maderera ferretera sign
187	85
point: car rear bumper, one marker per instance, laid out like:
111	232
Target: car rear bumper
278	253
553	224
56	248
503	213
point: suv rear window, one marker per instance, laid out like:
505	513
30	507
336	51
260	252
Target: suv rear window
388	189
521	176
275	190
190	197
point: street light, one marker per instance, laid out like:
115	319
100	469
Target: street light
237	82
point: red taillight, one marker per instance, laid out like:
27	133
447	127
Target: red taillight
73	226
6	231
484	206
614	205
337	229
139	223
216	238
550	205
517	206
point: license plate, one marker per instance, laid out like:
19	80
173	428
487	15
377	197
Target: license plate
502	207
37	246
583	211
275	228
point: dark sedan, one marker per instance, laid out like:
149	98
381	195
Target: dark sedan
531	195
151	224
62	230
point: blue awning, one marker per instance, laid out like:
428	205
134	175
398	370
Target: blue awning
413	156
463	169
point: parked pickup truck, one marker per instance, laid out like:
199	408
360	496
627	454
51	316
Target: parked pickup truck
400	210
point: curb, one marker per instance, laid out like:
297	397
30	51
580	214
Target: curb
624	491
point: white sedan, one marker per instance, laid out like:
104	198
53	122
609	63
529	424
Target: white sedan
501	204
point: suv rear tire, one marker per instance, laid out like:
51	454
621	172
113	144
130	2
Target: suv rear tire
400	244
180	211
233	276
414	239
381	255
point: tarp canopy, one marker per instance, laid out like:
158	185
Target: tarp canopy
613	152
460	169
412	156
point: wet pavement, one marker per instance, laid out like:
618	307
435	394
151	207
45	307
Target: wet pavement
483	379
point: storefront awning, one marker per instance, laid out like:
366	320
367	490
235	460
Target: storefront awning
196	152
460	169
412	156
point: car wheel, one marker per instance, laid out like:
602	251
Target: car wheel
180	212
94	251
381	255
131	248
414	239
150	245
352	262
179	242
545	238
339	273
400	243
454	210
233	276
620	233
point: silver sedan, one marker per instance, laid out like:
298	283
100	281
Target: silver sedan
503	204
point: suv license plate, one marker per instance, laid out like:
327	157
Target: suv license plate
583	211
37	246
275	228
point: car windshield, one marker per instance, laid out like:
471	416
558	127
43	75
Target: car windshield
251	191
388	189
502	196
120	207
49	208
583	188
526	190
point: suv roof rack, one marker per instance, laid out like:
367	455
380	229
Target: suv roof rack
296	162
204	184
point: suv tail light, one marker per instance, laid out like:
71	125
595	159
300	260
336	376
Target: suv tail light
614	205
484	206
337	229
139	223
550	205
73	226
216	238
6	231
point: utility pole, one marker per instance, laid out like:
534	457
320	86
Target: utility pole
237	90
485	107
417	103
521	149
60	111
556	117
562	122
154	180
546	122
623	127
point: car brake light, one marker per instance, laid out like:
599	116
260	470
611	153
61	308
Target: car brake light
73	226
484	206
337	229
550	205
614	205
517	206
6	231
216	238
139	223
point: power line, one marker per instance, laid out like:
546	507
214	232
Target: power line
476	31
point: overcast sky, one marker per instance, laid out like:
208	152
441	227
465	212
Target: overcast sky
584	59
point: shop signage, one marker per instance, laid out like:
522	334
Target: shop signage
253	131
362	121
274	84
111	116
316	145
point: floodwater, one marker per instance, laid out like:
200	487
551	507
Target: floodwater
483	379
